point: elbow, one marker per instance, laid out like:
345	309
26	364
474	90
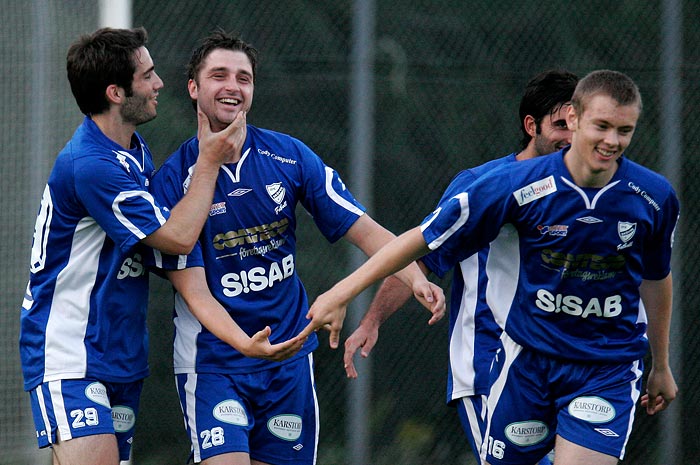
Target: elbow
179	247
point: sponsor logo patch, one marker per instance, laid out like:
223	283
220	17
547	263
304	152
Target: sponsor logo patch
554	230
287	427
97	392
123	418
217	208
526	433
592	409
536	190
231	411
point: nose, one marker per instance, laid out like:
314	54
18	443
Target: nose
612	138
159	82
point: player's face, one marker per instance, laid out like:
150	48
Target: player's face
601	134
140	106
224	86
553	134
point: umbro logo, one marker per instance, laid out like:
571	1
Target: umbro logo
589	220
239	192
298	447
607	432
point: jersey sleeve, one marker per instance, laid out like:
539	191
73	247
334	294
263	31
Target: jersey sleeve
114	197
168	187
325	196
659	245
437	261
468	217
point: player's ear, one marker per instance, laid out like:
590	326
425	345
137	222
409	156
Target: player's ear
571	118
114	94
192	89
530	125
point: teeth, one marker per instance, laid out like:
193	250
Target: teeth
230	100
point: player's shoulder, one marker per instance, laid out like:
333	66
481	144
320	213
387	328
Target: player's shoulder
634	173
183	157
275	145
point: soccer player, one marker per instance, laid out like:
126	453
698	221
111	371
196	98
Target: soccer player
240	410
587	293
83	338
474	333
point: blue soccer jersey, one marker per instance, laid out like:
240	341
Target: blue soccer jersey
570	286
473	331
84	312
248	244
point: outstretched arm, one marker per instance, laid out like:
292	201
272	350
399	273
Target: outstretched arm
191	284
331	306
661	387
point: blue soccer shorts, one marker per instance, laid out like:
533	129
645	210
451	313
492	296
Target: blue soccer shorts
73	408
270	414
534	398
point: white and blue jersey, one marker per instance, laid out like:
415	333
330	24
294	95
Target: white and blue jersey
248	244
570	286
84	312
474	333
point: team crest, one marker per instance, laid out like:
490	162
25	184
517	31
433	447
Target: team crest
276	192
626	230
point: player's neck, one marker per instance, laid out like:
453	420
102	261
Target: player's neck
585	176
114	128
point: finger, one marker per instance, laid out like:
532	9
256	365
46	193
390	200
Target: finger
350	371
368	346
334	338
202	123
307	331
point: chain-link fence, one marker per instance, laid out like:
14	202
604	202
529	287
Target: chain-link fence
448	76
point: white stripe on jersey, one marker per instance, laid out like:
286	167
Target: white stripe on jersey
59	411
125	221
336	197
70	307
185	345
503	272
463	199
462	339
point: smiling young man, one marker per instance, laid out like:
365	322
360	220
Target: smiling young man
584	291
241	410
474	333
83	338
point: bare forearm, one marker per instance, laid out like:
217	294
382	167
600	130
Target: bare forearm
391	296
394	256
657	297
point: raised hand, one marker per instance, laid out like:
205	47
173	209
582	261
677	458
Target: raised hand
224	146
